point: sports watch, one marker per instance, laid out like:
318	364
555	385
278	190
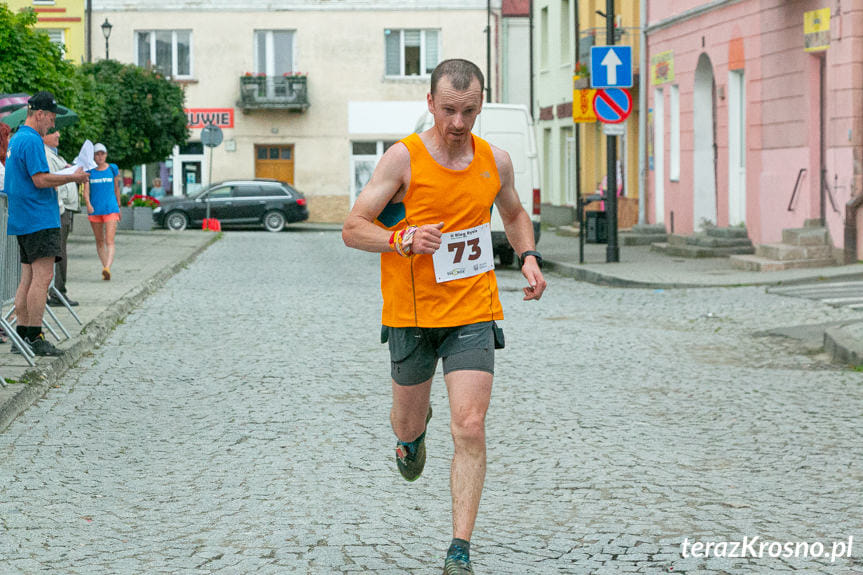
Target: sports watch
533	253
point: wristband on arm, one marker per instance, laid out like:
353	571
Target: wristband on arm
401	240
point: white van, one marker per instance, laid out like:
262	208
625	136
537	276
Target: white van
508	126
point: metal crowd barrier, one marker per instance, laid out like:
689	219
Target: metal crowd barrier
10	275
10	258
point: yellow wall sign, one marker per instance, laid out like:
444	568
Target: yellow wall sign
662	67
582	105
816	30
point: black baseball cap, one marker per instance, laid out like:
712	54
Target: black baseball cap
45	101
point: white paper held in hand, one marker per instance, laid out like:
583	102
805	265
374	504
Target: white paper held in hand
83	160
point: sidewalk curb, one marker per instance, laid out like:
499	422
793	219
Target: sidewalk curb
38	380
842	346
599	278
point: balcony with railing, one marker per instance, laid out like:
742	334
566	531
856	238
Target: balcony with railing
274	93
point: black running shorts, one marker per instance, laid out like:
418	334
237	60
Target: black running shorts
41	244
414	351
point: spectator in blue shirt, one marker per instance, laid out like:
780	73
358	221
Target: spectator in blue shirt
34	216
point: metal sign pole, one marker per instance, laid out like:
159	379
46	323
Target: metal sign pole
211	136
209	181
612	252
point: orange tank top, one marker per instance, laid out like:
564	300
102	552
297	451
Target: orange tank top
462	199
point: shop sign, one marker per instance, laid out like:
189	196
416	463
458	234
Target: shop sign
200	117
816	30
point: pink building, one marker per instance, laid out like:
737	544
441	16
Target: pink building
755	115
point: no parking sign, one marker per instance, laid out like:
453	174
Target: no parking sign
612	105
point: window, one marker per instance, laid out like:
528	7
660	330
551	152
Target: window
168	51
543	38
192	148
57	36
364	159
548	164
565	50
674	151
567	161
220	193
411	52
273	191
248	192
274	52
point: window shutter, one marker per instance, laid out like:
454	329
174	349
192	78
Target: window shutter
412	37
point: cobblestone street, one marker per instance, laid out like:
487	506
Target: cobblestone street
238	422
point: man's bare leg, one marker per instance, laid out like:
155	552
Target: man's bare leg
409	410
21	313
42	273
469	396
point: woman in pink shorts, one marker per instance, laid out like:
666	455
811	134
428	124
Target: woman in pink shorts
102	194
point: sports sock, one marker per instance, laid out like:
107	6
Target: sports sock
21	330
34	332
459	545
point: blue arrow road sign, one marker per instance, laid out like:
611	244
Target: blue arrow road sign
612	105
611	67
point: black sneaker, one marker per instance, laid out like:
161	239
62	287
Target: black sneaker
44	348
57	302
411	457
457	563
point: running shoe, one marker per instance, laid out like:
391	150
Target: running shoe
411	456
106	274
457	563
43	347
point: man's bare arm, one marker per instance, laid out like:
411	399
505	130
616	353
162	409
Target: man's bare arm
392	175
49	180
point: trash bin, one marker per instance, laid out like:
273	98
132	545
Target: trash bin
597	227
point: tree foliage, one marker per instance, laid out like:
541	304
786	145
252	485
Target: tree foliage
142	116
136	113
29	61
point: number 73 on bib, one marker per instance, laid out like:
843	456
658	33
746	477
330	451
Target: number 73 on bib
463	254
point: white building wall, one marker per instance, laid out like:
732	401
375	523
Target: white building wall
341	50
553	86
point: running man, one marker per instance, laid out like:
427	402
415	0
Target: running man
427	210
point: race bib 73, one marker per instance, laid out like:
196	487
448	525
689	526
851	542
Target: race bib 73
463	254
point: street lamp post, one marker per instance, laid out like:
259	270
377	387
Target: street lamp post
106	32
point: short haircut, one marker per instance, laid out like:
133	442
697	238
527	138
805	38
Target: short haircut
460	73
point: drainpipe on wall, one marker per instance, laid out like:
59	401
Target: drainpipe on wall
642	116
88	19
576	25
851	209
530	57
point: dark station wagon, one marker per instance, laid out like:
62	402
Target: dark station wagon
239	202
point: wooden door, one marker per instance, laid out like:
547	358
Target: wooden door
275	161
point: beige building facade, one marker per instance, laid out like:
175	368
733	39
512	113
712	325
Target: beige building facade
304	91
